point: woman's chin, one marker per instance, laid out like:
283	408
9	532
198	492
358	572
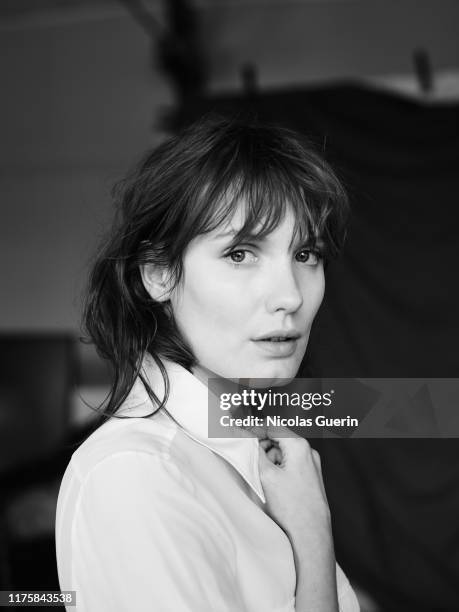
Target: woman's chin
256	373
269	375
264	383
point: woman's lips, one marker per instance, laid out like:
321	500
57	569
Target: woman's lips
278	348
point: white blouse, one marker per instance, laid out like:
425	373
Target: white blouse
156	517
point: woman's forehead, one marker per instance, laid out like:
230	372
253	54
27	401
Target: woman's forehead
239	226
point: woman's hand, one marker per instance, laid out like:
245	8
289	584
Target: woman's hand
291	476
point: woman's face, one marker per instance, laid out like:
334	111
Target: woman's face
233	306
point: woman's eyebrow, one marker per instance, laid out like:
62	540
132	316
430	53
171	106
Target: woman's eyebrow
307	242
234	232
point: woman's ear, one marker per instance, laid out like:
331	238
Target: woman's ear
157	281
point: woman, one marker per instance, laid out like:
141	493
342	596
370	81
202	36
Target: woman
214	268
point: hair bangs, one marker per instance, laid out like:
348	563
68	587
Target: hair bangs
264	198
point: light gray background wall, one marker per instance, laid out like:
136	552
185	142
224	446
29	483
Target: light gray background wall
79	103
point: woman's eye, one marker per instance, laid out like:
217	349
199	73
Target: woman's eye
241	256
308	256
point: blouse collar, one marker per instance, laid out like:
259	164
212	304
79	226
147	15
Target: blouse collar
188	405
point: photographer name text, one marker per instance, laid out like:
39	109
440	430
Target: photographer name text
296	421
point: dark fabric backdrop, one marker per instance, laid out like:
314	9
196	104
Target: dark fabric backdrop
391	310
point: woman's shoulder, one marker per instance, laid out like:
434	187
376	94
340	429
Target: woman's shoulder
125	464
152	436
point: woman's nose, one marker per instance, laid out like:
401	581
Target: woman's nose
284	290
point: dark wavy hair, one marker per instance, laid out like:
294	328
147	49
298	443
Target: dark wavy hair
190	185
